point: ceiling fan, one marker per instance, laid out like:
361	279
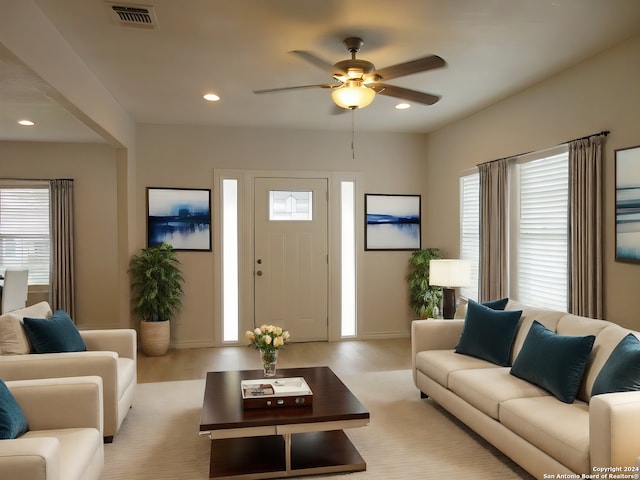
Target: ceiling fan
357	81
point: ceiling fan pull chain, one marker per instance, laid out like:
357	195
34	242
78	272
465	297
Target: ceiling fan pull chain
353	133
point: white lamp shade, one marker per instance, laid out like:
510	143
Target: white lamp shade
353	95
449	273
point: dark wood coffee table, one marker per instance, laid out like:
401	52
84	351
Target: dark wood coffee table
281	441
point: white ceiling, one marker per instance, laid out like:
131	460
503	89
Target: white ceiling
493	49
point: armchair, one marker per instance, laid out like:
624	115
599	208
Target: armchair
111	355
64	441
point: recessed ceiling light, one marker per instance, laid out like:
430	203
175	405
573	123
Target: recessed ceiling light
403	106
26	123
211	97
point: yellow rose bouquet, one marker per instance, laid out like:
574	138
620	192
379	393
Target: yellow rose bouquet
268	339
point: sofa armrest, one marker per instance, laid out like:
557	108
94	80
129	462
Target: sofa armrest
123	341
54	403
32	458
435	334
614	423
432	334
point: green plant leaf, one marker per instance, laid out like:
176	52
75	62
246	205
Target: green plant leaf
156	283
423	298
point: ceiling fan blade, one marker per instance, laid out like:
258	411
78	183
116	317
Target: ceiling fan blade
405	94
414	66
282	89
330	68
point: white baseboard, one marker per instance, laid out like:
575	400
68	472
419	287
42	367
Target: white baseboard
193	344
385	335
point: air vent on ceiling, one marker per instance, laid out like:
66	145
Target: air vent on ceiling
140	16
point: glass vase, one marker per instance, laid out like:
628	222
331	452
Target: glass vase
269	359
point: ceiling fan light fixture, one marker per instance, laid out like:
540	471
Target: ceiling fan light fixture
353	94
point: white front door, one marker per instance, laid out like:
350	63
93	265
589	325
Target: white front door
291	255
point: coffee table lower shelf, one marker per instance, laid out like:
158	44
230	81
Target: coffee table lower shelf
277	456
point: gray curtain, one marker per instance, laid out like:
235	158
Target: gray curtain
585	227
494	217
62	286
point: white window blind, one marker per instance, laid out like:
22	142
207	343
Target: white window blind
470	229
24	231
541	265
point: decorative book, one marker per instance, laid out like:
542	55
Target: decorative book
276	392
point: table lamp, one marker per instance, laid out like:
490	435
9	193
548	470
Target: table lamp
449	274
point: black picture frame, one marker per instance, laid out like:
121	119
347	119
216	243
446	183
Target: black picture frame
180	217
392	221
627	204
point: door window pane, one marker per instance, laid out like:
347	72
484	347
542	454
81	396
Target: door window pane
348	251
290	206
230	279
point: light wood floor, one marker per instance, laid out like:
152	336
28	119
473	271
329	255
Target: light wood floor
342	357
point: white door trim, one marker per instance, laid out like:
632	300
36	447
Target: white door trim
246	247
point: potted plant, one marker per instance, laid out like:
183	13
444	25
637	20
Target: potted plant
423	298
156	282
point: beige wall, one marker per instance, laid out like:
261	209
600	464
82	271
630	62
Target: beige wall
602	93
93	168
172	156
180	156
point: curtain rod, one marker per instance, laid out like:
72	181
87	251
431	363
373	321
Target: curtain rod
34	179
604	132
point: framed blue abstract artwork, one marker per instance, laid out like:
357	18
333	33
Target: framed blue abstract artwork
392	222
180	217
628	204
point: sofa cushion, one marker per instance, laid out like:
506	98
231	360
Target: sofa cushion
487	388
559	429
13	339
55	334
606	342
554	362
488	334
621	372
438	364
497	304
548	318
13	423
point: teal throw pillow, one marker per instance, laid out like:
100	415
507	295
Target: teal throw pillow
13	423
621	372
54	334
488	334
497	304
553	362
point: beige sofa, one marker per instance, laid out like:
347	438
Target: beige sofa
594	435
111	355
64	441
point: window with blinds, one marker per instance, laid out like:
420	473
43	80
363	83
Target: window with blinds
541	242
470	229
24	231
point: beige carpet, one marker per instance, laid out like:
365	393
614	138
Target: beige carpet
408	438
